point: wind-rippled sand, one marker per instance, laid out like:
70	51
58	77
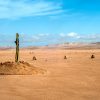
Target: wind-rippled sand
74	78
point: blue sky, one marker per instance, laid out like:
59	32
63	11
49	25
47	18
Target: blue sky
42	22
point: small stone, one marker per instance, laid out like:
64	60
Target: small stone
65	57
92	56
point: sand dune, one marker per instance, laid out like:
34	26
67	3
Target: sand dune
20	68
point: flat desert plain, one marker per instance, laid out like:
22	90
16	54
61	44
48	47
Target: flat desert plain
74	78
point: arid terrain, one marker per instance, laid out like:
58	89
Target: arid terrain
74	78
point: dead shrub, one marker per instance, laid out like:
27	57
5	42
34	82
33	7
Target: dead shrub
65	57
34	58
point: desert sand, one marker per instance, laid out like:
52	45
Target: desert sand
74	78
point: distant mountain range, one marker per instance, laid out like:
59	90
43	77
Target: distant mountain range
95	45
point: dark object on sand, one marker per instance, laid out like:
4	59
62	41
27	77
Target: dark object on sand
92	56
34	58
65	57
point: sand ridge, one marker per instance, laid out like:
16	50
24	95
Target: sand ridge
20	68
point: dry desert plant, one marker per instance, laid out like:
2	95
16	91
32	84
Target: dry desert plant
17	48
34	58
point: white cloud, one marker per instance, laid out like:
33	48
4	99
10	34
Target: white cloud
43	34
22	8
62	35
35	38
72	34
52	38
42	37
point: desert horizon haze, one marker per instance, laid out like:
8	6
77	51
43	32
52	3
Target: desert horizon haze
49	50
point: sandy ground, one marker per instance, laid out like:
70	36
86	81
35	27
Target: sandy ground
77	78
